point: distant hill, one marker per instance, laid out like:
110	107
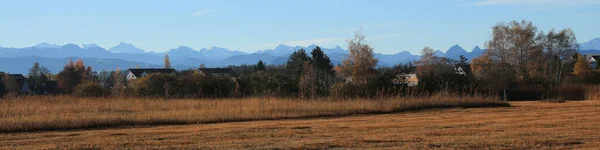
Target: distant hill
124	55
22	64
592	44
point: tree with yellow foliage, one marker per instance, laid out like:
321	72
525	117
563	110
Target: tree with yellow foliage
581	68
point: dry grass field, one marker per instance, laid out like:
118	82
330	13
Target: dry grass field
526	125
45	113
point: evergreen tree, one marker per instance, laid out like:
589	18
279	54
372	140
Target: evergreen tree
294	68
295	63
323	70
463	60
260	66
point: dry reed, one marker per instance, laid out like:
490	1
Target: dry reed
43	113
592	92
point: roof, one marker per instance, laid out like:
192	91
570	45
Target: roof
18	76
595	56
592	57
216	70
466	68
139	72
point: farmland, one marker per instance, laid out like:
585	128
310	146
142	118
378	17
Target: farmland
573	124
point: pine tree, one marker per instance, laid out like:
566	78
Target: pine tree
463	60
295	63
324	72
260	66
294	68
167	61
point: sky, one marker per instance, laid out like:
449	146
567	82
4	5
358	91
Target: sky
391	26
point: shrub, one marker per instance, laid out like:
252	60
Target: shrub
155	85
2	88
592	92
569	92
89	89
524	94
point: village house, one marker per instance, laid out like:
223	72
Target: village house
143	72
21	82
462	69
592	59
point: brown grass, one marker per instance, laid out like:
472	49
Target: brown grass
592	92
63	112
527	125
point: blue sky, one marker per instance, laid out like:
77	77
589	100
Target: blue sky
391	26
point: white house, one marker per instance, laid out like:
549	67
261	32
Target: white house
462	69
592	59
140	73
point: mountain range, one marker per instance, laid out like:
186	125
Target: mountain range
126	55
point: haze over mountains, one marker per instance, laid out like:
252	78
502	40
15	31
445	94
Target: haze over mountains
125	55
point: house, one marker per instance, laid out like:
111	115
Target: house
592	59
143	72
216	72
462	69
407	79
21	82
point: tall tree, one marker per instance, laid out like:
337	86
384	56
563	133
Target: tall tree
515	44
558	47
360	64
37	75
260	66
167	61
294	68
323	69
295	63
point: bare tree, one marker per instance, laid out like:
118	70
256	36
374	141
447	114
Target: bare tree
559	47
308	82
515	44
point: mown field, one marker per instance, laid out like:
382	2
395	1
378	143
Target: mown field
526	125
